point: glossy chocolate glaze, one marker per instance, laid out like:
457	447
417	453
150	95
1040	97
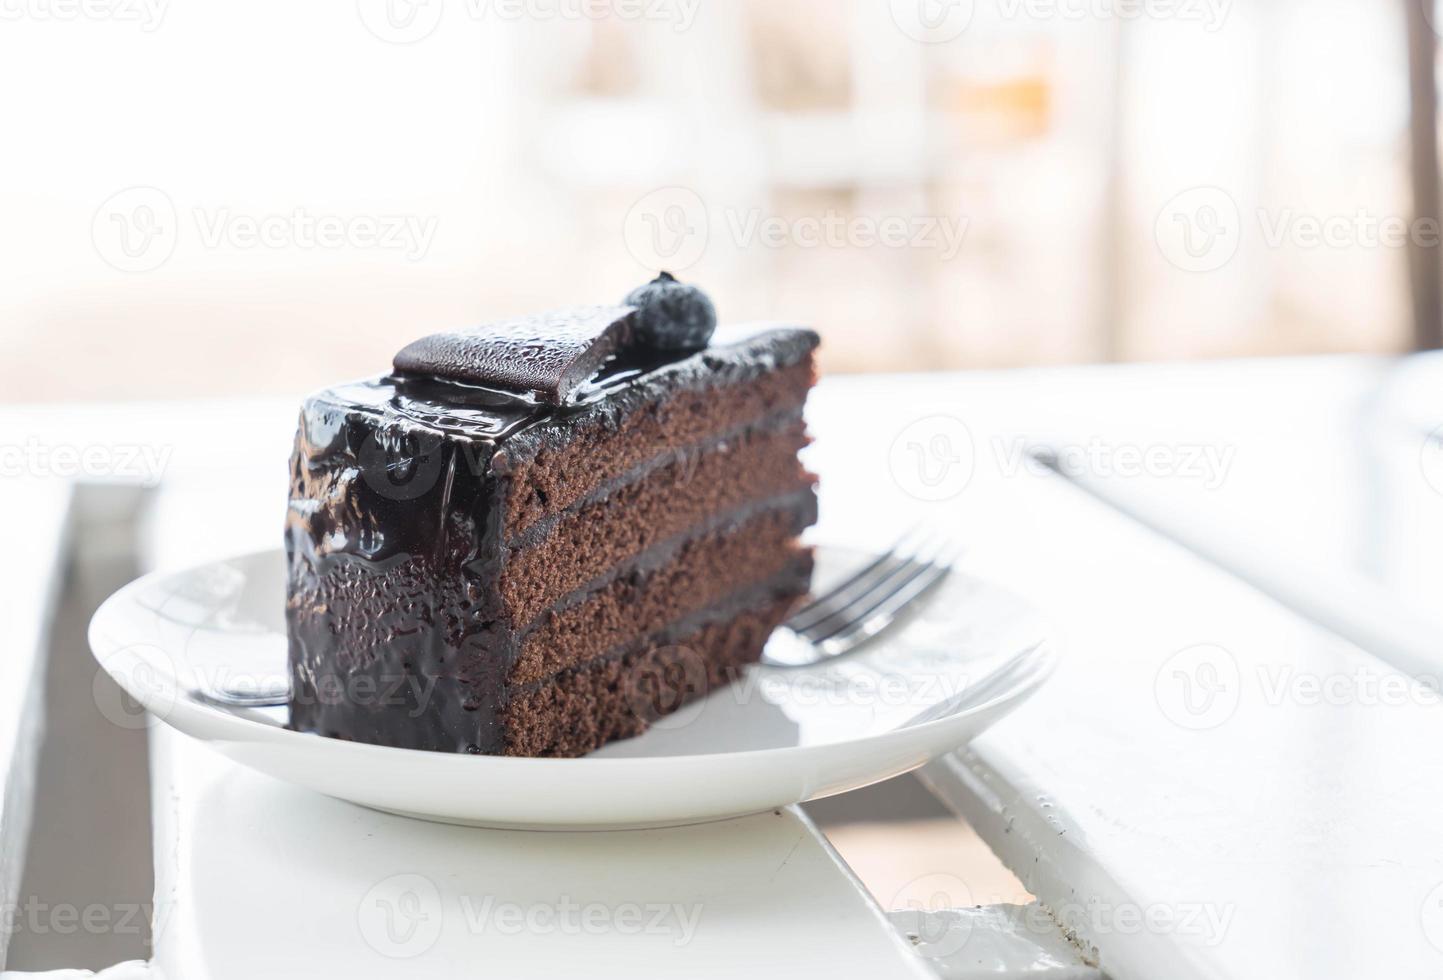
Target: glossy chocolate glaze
394	533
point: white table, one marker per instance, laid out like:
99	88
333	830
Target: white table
1296	837
339	891
1258	835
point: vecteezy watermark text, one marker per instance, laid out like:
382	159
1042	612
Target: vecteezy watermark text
1203	463
409	234
680	13
1200	229
128	461
943	924
39	918
1201	687
832	229
568	917
1205	922
940	21
409	21
1209	13
137	230
146	13
671	227
404	915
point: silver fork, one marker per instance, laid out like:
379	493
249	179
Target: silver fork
269	692
864	605
1018	671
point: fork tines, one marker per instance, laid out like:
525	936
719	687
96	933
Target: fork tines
867	602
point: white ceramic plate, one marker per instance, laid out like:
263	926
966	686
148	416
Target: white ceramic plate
774	738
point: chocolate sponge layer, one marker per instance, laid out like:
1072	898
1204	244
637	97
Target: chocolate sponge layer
559	477
585	707
755	466
702	571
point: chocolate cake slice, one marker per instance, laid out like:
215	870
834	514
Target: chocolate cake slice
534	537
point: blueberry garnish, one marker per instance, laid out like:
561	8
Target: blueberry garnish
671	315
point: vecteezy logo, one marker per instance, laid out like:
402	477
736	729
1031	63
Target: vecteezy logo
932	21
136	683
1199	687
400	21
932	458
667	228
1430	459
135	229
673	676
401	916
1430	915
1198	230
400	465
1431	15
931	902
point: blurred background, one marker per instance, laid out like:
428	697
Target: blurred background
245	201
266	197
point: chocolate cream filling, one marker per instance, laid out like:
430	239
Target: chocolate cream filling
584	543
